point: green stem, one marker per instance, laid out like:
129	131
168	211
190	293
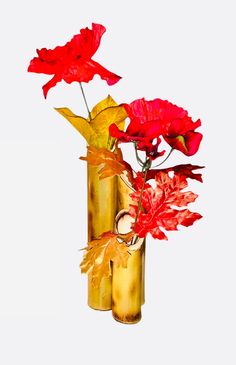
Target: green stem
172	149
140	162
85	101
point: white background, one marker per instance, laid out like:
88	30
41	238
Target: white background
177	50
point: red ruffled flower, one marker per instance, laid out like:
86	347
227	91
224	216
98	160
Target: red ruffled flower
72	62
151	119
145	126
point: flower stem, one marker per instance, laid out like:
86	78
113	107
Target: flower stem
172	149
146	167
140	162
85	101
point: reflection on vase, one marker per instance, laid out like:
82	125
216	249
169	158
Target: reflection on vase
102	208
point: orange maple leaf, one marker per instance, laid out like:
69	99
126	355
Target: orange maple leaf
112	163
104	250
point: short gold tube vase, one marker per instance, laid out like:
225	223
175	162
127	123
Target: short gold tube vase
102	209
127	283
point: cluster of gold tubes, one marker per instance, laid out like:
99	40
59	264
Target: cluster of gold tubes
123	291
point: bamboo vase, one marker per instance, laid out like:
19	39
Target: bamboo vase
102	209
127	283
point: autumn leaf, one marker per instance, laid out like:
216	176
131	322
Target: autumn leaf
109	247
103	115
96	130
138	181
103	104
185	170
111	163
103	120
81	125
159	206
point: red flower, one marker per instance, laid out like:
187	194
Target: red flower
72	62
151	119
145	126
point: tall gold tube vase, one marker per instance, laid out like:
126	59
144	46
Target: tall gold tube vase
102	209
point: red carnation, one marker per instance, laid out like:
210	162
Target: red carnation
145	126
72	62
151	119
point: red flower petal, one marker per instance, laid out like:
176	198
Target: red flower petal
39	66
88	41
188	144
50	84
106	75
120	135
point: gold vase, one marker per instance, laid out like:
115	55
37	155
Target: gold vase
128	283
102	209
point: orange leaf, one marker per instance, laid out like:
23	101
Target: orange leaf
112	163
161	206
102	251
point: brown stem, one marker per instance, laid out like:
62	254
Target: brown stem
172	149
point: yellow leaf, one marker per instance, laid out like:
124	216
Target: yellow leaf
104	119
81	124
102	251
96	130
103	104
